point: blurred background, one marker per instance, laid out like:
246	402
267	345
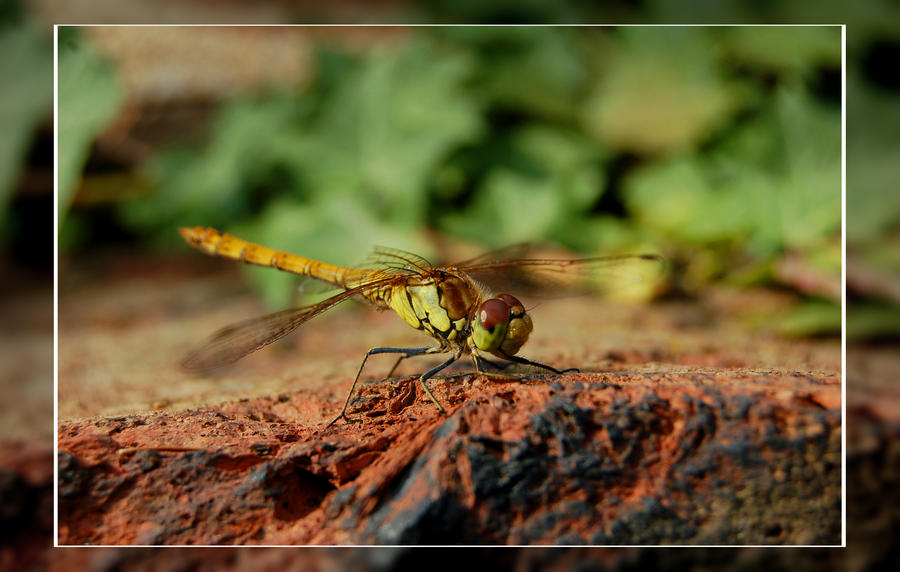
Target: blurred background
703	143
719	147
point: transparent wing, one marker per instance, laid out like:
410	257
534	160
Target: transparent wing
508	253
396	260
237	340
550	278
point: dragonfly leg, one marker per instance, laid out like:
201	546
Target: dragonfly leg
431	373
407	352
498	375
495	365
524	361
396	363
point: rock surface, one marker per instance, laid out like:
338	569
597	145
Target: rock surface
676	455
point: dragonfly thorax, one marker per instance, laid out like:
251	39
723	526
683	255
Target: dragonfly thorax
501	326
439	304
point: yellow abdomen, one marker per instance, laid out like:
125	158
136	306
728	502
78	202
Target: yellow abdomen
215	243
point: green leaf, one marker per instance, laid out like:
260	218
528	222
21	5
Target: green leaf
546	180
89	97
509	207
678	199
387	126
554	151
662	91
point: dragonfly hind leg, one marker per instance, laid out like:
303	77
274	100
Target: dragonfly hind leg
406	353
431	373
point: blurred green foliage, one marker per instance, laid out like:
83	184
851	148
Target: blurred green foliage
717	146
25	99
774	184
873	211
663	90
89	97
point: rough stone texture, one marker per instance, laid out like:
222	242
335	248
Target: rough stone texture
679	455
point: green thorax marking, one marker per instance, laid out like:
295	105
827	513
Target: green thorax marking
439	305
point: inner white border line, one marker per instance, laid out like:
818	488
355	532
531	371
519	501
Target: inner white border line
843	272
55	285
843	285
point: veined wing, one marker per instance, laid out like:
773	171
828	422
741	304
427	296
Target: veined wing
516	251
395	260
552	277
237	340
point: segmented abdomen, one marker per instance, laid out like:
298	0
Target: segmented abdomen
215	243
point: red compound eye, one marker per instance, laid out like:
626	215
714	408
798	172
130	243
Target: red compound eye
492	312
515	307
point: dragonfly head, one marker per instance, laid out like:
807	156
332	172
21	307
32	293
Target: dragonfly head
501	326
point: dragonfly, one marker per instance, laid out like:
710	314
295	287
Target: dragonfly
461	306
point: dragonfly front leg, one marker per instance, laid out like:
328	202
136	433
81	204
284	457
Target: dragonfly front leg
524	361
407	352
478	359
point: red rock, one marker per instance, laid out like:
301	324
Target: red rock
682	455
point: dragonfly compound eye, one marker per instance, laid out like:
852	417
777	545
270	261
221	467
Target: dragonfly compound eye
491	323
493	312
519	326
